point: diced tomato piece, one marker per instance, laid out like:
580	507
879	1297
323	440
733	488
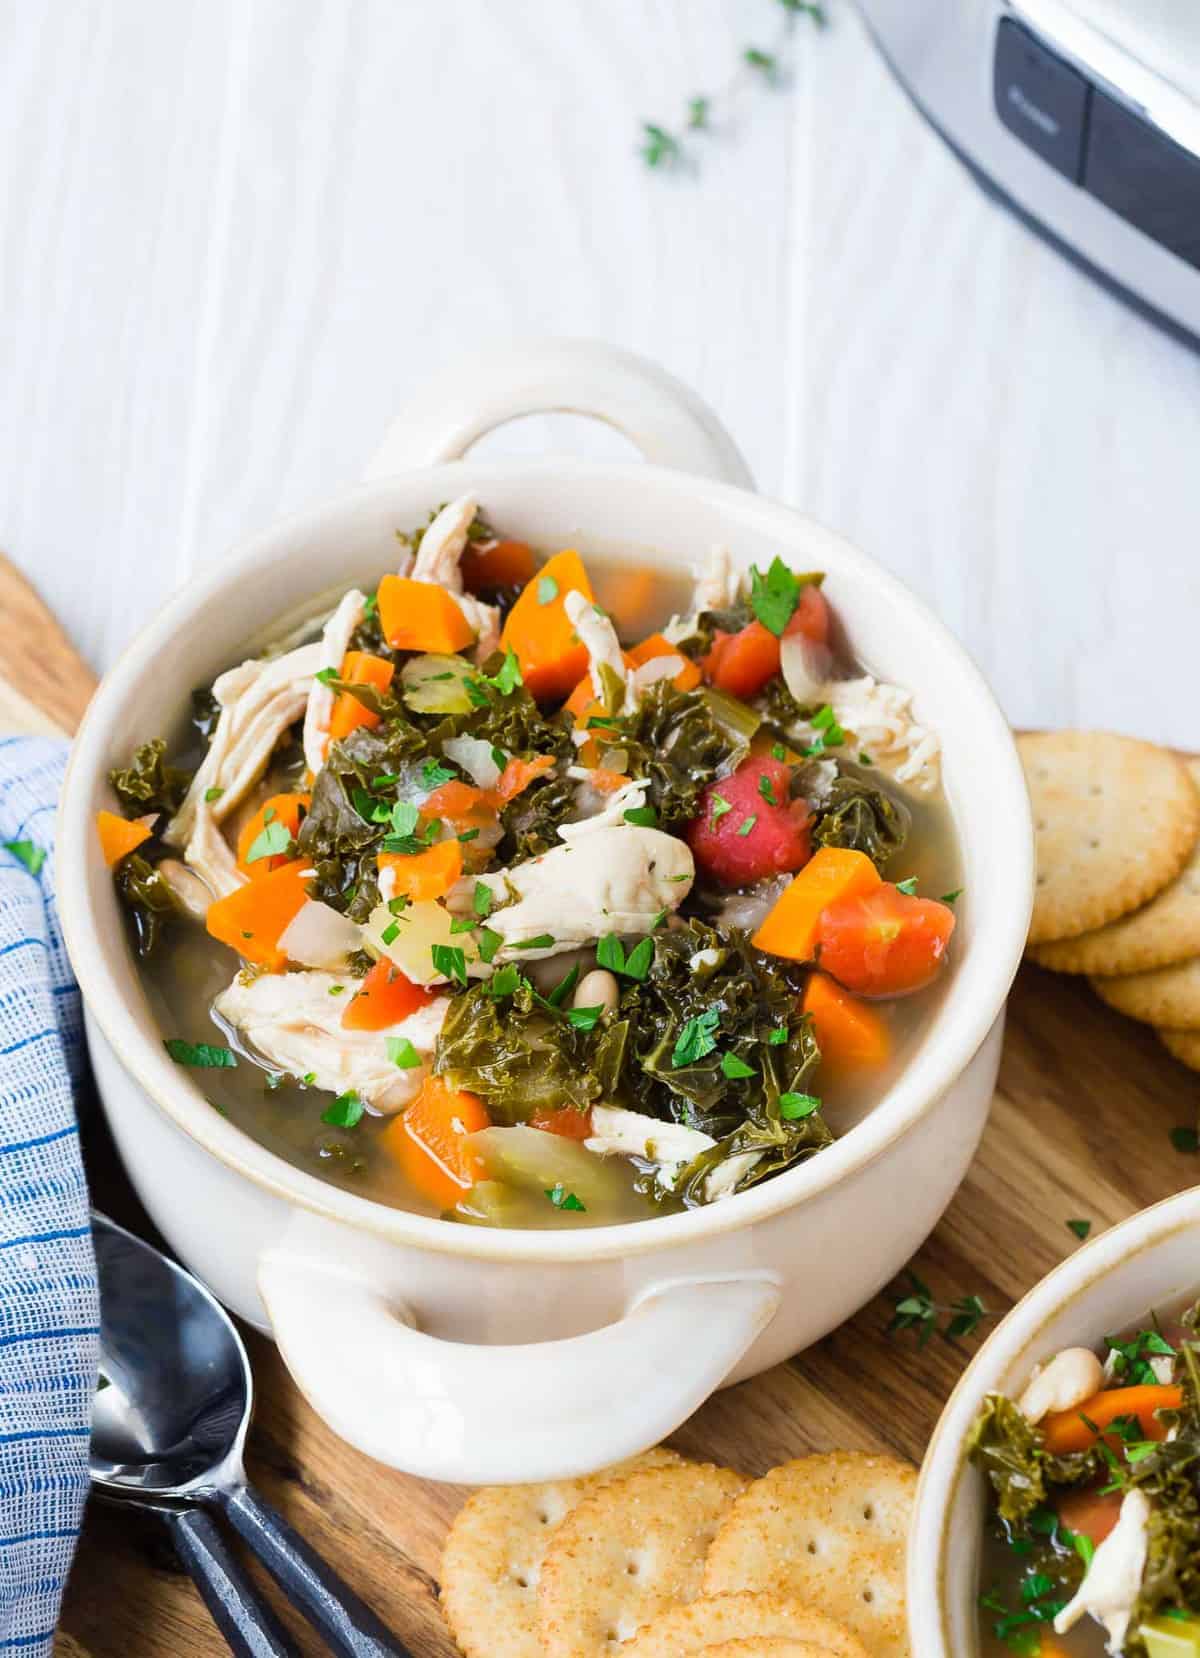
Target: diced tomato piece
519	774
884	942
742	663
749	826
570	1123
384	998
1090	1511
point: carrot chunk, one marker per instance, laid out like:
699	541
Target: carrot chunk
1066	1430
421	616
358	668
385	998
253	919
496	564
742	663
429	1141
118	836
849	1032
424	875
519	774
655	646
833	872
540	632
284	809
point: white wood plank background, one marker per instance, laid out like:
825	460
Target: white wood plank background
235	233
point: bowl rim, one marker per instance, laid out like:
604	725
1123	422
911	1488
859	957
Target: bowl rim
976	997
944	1468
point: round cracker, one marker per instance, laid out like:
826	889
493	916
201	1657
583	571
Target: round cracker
627	1552
766	1646
1115	821
831	1530
1184	1044
1162	932
492	1557
738	1618
1168	996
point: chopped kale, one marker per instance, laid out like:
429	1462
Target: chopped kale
863	817
679	741
147	897
148	783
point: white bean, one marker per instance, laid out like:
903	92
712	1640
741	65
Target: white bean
597	989
1071	1377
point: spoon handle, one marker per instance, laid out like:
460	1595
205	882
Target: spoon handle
245	1620
348	1625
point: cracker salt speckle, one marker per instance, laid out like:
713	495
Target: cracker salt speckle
1162	932
628	1552
1115	821
1184	1044
830	1530
1168	996
745	1621
492	1558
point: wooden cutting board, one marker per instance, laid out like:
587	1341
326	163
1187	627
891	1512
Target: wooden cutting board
1080	1130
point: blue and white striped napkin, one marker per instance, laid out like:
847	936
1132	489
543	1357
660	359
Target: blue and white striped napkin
49	1309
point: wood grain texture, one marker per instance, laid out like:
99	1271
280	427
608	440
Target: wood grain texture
236	237
41	673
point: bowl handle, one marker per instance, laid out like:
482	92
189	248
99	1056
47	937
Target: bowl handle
484	1415
668	423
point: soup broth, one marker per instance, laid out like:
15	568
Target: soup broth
446	781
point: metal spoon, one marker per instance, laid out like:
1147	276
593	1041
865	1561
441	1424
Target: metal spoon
168	1428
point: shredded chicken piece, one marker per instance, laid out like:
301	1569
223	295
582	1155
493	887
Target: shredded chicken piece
335	642
881	719
294	1021
599	638
718	585
612	812
259	700
1110	1589
439	560
607	878
671	1146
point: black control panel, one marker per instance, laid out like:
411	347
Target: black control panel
1097	142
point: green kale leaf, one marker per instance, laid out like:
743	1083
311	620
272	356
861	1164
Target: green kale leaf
147	897
148	783
863	817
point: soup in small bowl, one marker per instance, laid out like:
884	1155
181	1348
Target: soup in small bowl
535	892
1057	1515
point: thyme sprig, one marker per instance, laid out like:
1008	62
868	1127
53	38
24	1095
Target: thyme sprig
917	1310
664	147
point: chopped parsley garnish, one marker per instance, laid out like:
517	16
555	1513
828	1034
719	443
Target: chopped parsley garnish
908	887
464	924
489	941
1129	1362
543	941
337	990
747	824
273	840
385	780
774	597
499	758
547	590
509	675
402	1053
1081	1228
584	1018
778	752
564	987
825	721
213	794
390	933
504	981
482	900
308	1078
469	835
1185	1139
397	905
735	1068
951	897
450	960
205	1056
793	1107
645	817
718	806
33	857
434	774
767	789
778	1036
562	1199
696	1038
345	1112
610	953
404	817
327	676
864	759
603	722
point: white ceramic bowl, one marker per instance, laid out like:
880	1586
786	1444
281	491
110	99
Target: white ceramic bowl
1150	1260
456	1352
